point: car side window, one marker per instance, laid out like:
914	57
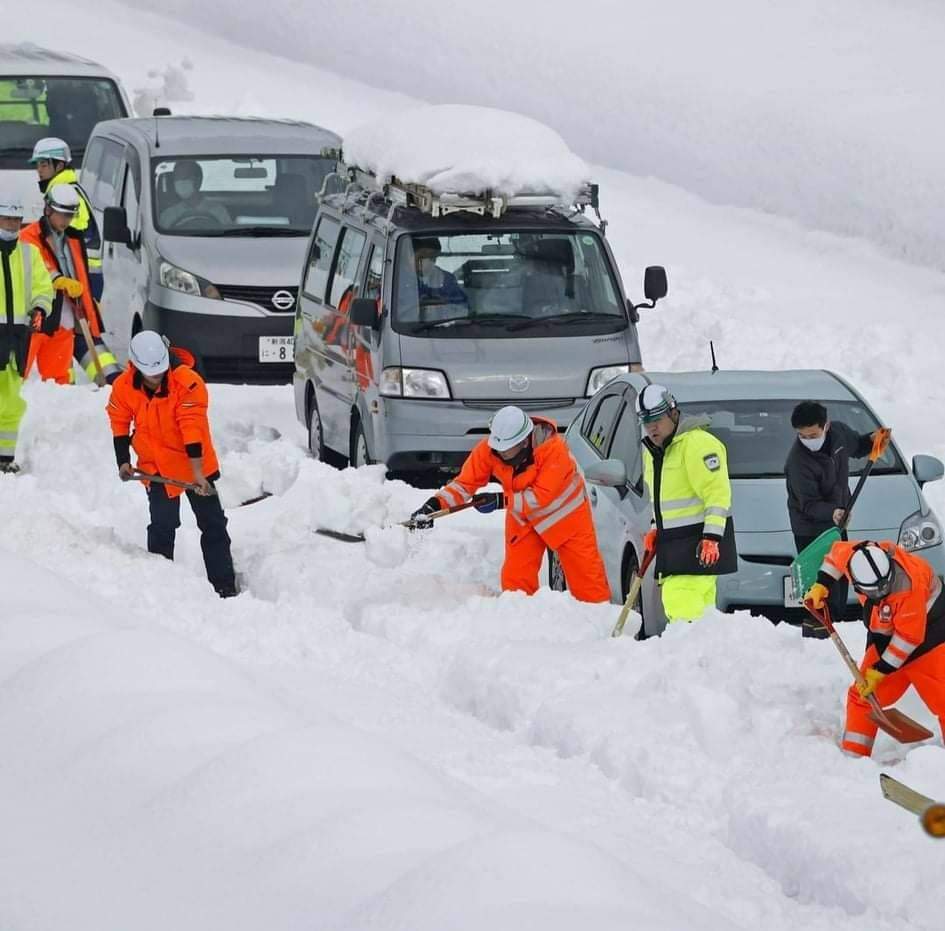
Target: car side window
628	438
319	260
598	429
346	265
129	200
105	193
373	283
88	176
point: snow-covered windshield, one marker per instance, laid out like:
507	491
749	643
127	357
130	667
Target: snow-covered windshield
32	108
758	434
505	283
238	195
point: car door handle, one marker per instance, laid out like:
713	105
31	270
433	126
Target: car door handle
593	495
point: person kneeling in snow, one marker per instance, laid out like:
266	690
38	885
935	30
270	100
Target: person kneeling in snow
167	403
546	500
904	610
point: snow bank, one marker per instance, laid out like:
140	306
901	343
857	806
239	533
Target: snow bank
461	149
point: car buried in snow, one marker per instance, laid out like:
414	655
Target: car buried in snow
750	412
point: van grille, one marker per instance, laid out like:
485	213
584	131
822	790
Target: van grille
259	295
540	404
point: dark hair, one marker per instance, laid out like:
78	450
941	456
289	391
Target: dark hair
427	244
809	414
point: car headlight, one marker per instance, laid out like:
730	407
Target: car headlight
920	531
187	283
414	383
599	377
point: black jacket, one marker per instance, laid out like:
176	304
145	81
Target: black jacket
818	483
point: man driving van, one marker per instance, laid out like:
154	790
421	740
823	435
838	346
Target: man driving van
186	179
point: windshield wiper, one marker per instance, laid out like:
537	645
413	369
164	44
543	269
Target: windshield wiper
466	321
263	231
574	316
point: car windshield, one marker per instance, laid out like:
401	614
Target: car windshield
758	434
266	195
33	108
505	284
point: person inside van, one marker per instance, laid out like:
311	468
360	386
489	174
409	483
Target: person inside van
434	284
191	206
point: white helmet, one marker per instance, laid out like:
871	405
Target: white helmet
63	198
148	352
653	402
871	570
508	428
53	148
11	207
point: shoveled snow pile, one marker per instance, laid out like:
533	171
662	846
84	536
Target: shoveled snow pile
463	150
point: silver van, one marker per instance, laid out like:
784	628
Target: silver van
45	93
420	315
205	222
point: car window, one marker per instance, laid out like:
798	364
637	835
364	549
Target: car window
346	264
104	194
758	434
88	176
129	200
627	438
598	431
373	284
323	247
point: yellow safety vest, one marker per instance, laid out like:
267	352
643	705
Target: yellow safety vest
32	286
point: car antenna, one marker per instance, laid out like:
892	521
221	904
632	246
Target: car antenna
715	367
156	112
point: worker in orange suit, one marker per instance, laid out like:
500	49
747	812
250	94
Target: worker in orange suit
64	254
904	610
545	498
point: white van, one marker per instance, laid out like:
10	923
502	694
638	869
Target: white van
45	93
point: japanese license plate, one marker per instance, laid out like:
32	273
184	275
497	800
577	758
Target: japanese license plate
791	600
276	348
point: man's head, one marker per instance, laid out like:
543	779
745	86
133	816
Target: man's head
810	421
11	217
61	206
148	352
658	412
425	253
50	156
186	177
510	432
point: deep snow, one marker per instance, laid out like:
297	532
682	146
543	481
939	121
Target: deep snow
368	737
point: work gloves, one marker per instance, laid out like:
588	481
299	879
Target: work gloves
817	596
37	319
880	442
708	552
71	286
873	678
420	519
488	502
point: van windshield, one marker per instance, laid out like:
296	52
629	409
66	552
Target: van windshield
758	434
505	284
32	108
265	195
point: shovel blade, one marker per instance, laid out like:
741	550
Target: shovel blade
338	535
899	726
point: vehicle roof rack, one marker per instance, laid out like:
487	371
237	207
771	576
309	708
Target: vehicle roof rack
484	203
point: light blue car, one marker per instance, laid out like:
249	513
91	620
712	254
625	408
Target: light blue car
750	412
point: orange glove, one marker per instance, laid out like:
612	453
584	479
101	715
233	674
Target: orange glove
817	596
649	540
880	442
873	678
708	552
71	286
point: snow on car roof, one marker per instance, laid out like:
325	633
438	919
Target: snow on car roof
460	149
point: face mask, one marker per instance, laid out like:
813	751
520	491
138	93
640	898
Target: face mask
184	189
9	235
814	445
521	458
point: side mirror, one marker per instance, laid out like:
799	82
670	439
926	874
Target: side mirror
609	472
363	312
654	283
927	469
115	226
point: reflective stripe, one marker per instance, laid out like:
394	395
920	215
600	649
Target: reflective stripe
683	521
452	499
900	643
456	493
576	484
675	503
27	279
530	498
518	502
563	512
894	659
8	439
717	512
936	591
830	569
861	740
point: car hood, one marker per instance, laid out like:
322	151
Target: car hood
760	505
224	260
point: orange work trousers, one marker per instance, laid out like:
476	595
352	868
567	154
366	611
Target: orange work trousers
927	674
580	560
54	355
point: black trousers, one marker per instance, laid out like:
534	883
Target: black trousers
214	540
837	602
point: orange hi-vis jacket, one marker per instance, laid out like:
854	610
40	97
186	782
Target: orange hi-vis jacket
548	496
170	425
910	620
85	304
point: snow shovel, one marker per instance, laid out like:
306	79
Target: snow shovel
412	524
191	486
631	598
931	813
898	725
96	361
807	563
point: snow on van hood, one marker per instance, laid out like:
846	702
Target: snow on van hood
463	149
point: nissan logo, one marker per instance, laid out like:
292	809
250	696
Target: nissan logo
518	383
282	300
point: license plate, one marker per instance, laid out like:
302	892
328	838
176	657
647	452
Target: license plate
790	599
276	348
